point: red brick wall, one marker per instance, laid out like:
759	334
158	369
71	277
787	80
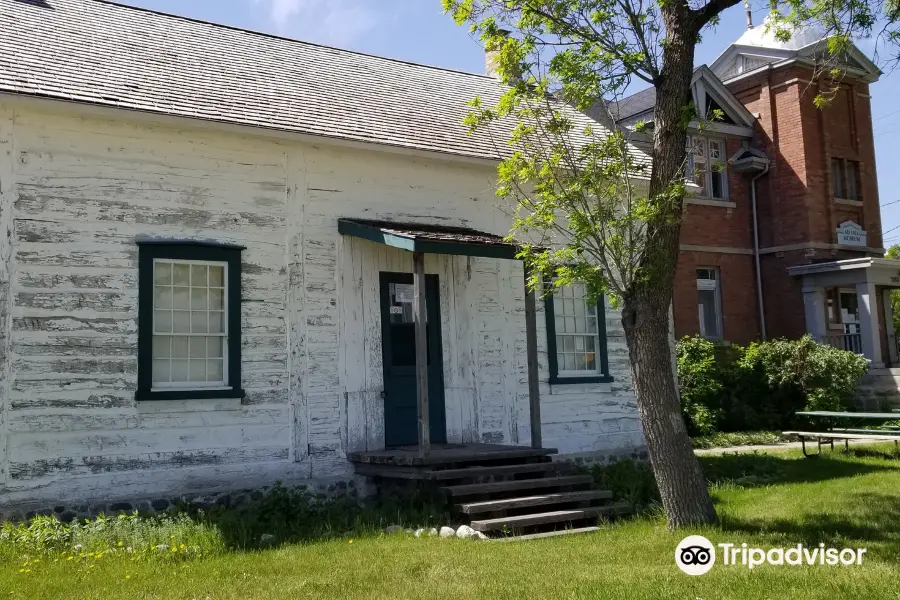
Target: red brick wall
795	203
740	322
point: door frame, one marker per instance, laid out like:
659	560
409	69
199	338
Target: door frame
436	406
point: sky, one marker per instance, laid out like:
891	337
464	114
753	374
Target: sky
417	31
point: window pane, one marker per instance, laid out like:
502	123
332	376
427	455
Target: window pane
162	321
718	183
837	177
161	346
198	347
182	298
214	370
700	176
179	346
216	322
579	343
590	362
560	324
199	321
198	370
715	150
198	298
591	324
216	276
569	344
160	371
198	275
216	299
182	321
162	273
180	370
570	362
852	180
708	313
162	297
181	274
214	347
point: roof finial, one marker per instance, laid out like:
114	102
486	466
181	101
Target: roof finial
749	14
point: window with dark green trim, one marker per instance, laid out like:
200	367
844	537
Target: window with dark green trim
189	321
576	337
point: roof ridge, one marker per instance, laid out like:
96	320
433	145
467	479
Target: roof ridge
287	39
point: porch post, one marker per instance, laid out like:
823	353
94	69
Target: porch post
534	394
421	352
868	322
889	326
814	307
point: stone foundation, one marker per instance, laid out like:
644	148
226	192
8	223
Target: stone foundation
355	487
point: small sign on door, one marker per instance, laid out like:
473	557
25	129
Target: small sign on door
396	310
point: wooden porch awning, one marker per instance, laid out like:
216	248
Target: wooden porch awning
436	239
430	239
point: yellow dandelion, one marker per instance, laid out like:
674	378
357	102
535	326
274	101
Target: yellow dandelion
350	542
128	577
181	546
120	544
70	558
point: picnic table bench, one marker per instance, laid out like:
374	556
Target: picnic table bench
853	432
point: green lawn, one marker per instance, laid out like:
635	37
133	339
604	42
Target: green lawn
766	500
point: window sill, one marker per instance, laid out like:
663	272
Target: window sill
848	202
555	380
710	202
149	396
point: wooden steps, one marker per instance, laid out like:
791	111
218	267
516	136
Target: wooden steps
508	492
545	534
518	485
532	501
464	473
545	518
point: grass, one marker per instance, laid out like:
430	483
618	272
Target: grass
739	438
767	500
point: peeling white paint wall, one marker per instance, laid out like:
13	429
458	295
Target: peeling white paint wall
75	193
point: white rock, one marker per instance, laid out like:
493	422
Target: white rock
78	547
447	532
422	532
481	536
465	532
266	539
162	547
392	529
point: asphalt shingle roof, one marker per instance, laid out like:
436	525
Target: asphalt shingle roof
99	52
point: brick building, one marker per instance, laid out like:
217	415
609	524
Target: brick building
816	194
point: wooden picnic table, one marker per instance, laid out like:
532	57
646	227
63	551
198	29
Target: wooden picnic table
885	433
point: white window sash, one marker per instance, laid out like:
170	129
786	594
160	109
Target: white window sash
170	386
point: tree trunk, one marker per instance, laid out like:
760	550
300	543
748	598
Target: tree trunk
681	483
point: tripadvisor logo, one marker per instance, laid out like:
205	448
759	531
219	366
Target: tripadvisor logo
696	555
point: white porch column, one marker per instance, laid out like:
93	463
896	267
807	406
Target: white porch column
814	307
868	323
893	356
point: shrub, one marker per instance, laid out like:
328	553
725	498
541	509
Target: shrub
763	385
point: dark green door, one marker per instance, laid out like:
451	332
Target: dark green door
399	350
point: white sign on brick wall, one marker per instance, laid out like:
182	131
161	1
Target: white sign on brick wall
850	234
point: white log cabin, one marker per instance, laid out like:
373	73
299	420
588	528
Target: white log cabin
207	266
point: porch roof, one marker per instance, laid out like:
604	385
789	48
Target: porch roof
851	271
430	239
